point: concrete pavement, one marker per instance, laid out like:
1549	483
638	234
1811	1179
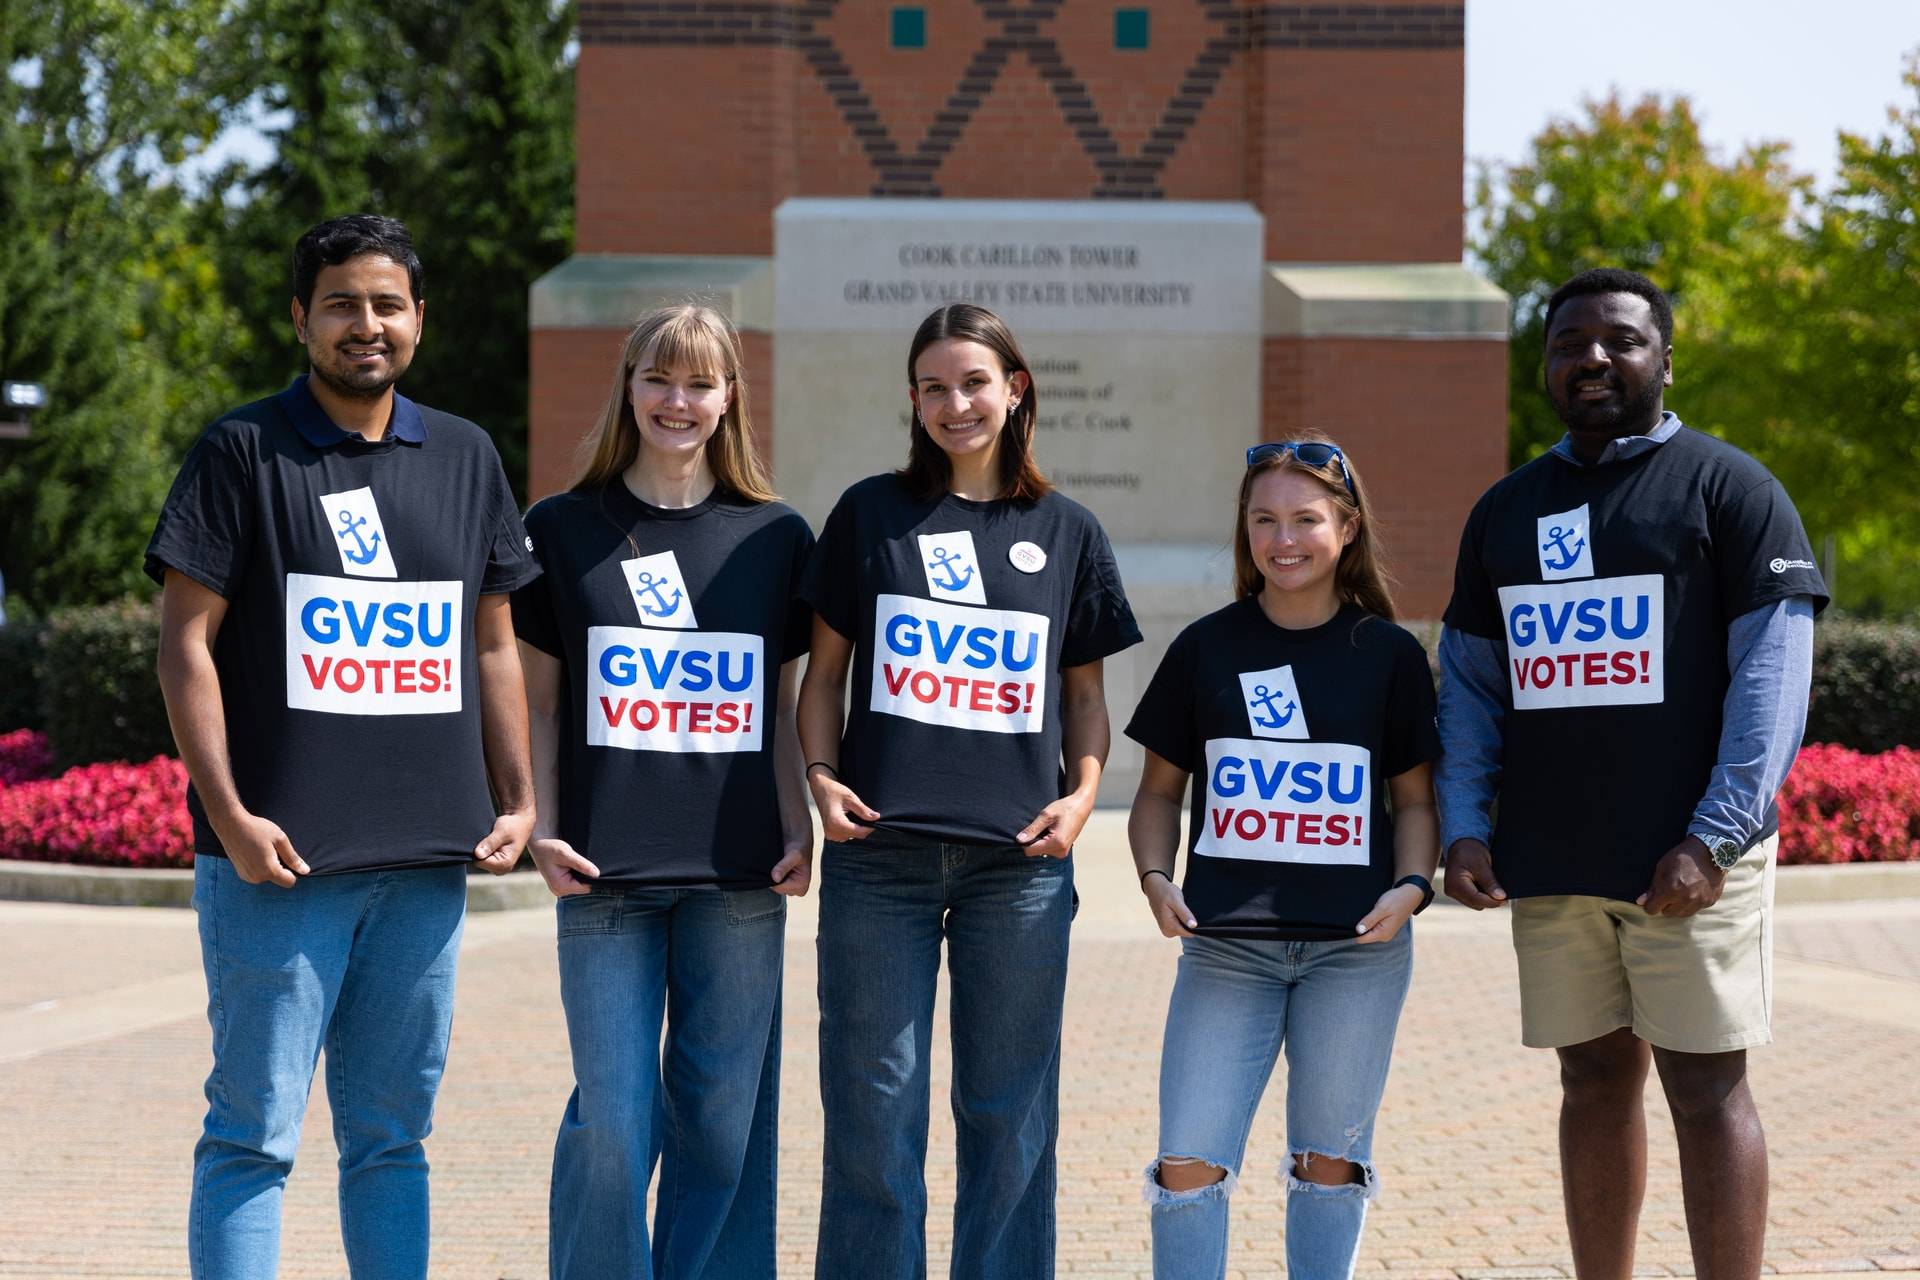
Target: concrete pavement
103	1046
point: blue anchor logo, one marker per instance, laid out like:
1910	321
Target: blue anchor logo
1557	538
350	525
944	559
656	587
1264	697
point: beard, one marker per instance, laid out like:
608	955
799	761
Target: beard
1624	416
358	384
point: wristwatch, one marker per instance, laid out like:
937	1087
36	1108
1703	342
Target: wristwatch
1725	852
1425	887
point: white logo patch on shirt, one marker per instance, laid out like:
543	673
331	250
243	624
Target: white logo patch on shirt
953	571
354	521
1273	703
659	592
960	666
691	692
1564	547
1301	802
1586	644
1027	557
373	648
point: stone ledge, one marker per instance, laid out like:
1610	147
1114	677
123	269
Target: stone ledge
173	887
611	290
1408	301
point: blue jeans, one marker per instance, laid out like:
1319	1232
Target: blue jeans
1334	1007
363	965
707	962
886	903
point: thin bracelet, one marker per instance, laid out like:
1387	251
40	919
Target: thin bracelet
812	764
1153	871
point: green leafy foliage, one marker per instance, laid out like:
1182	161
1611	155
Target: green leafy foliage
97	687
1866	685
1796	333
19	674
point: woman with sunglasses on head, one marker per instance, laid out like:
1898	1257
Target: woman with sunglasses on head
661	649
1307	716
974	606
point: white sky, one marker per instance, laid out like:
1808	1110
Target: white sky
1794	71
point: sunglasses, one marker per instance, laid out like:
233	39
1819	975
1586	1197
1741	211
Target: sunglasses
1311	453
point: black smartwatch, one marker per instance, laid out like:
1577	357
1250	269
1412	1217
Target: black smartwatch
1421	883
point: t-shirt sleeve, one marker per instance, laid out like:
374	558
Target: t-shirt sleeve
1412	737
533	607
206	526
829	585
510	559
799	630
1164	718
1099	621
1762	552
1474	607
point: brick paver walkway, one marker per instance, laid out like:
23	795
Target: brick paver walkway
103	1046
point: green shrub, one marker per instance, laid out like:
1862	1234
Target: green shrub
1866	684
97	684
19	674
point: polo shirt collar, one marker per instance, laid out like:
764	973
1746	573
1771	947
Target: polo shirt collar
1621	448
407	425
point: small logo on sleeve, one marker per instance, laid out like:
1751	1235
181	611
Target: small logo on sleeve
953	571
354	520
1565	551
659	592
1779	565
1273	703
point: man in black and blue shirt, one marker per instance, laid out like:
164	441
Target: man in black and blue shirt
1625	669
339	666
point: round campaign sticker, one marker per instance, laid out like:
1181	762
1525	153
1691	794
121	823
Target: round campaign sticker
1027	557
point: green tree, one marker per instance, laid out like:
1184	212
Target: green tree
104	295
457	118
1626	186
1849	417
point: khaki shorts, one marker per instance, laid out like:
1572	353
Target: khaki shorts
1700	985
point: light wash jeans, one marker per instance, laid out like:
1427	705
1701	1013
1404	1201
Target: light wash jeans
708	963
362	964
886	905
1333	1007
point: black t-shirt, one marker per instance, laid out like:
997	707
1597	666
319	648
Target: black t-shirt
351	571
961	616
1291	737
1611	588
672	626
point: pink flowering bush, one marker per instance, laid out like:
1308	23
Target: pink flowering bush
24	757
1843	806
123	815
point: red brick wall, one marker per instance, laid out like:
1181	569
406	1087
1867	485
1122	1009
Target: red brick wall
1359	153
691	133
1425	422
572	371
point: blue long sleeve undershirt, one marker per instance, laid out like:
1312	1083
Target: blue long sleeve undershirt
1763	715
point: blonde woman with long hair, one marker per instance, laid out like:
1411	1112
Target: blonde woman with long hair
1305	718
661	650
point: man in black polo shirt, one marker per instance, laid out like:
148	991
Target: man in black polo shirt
1625	668
339	667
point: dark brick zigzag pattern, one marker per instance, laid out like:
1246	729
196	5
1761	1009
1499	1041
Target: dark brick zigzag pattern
1020	30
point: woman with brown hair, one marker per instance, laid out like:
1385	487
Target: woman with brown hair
660	649
1306	719
974	606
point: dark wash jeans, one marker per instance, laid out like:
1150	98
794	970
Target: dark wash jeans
886	904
